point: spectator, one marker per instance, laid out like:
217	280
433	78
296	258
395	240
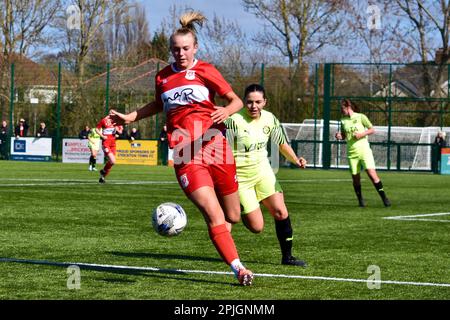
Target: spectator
440	143
21	129
163	145
84	133
42	131
122	135
134	134
3	140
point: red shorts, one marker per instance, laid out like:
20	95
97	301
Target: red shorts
211	165
109	146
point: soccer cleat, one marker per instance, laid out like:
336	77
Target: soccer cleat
102	177
245	277
386	202
94	169
90	168
292	261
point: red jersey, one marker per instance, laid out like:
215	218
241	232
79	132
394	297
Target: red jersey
187	97
108	129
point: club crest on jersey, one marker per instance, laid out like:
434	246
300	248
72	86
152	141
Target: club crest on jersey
184	181
190	74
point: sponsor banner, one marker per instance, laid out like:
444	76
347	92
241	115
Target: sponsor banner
31	149
141	152
77	151
30	158
445	161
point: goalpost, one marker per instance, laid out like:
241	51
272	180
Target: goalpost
410	147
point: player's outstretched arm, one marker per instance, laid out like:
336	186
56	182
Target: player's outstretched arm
146	111
290	155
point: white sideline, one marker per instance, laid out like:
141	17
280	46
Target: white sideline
71	182
183	271
416	217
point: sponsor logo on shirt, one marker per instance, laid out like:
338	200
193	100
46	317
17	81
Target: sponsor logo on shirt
184	181
190	74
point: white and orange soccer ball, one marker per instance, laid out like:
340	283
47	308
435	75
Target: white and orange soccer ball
169	219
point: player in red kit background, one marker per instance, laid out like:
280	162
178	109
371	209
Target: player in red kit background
107	131
203	161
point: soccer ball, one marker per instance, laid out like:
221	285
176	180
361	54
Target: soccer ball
169	219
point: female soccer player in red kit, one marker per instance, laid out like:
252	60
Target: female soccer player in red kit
203	161
107	131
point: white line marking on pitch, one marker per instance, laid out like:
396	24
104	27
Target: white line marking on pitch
71	182
83	182
183	271
416	217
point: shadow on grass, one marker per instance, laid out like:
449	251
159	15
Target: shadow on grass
162	256
136	271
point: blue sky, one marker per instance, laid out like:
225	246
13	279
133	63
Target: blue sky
231	10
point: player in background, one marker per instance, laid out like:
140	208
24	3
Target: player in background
107	132
249	133
355	128
94	146
203	161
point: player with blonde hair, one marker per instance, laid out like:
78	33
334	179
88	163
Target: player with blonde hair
203	161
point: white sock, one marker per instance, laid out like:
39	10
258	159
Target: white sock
236	265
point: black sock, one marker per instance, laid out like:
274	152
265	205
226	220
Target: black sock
91	160
94	162
379	187
358	191
284	235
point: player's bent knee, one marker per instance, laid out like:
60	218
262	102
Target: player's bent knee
280	215
258	229
233	218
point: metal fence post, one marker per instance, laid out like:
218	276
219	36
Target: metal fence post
261	81
58	114
11	111
107	89
326	155
316	111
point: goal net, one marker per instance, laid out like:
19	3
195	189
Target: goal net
410	147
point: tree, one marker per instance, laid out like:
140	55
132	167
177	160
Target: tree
426	20
23	25
160	46
82	24
297	28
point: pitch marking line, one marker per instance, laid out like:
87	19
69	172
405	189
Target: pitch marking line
183	271
416	217
72	182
